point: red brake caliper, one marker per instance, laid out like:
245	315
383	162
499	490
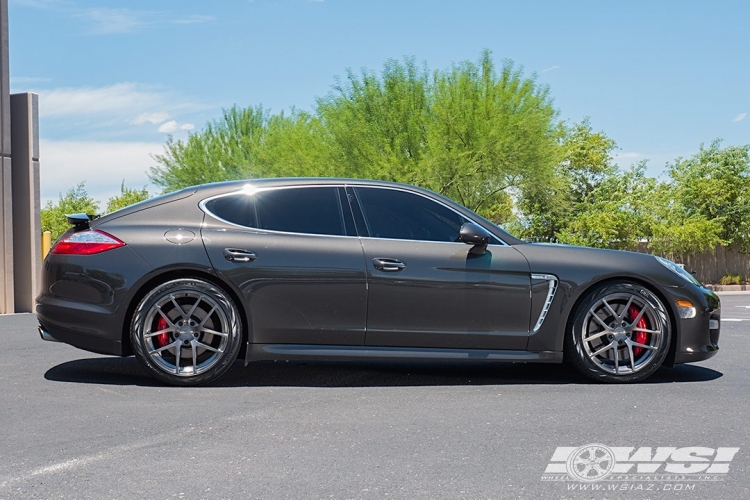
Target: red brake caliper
163	338
640	337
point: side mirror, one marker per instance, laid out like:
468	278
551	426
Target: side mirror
473	234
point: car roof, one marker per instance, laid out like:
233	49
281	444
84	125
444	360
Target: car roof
300	181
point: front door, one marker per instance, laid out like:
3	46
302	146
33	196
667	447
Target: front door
426	289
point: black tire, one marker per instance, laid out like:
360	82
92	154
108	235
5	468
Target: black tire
194	317
621	333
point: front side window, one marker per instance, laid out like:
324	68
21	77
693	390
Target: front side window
400	215
314	210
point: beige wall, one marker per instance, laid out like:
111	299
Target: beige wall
20	228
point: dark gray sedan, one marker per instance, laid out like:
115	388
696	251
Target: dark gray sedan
352	269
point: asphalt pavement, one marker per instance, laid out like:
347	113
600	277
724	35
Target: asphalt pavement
77	425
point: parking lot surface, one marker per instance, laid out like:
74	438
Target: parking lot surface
77	425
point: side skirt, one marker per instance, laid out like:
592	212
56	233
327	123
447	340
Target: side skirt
341	353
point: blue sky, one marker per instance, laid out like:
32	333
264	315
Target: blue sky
116	77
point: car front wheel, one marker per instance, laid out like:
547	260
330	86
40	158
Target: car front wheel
620	333
186	332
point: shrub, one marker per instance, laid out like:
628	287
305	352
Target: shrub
731	279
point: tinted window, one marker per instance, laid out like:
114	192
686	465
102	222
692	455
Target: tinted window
295	210
237	209
301	210
406	216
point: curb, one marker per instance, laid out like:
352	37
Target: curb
729	288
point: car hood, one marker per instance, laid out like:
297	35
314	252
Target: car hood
582	264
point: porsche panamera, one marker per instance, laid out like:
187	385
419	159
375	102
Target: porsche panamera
347	269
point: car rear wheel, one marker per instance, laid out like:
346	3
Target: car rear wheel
621	333
186	332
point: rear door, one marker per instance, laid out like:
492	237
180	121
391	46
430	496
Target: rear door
294	256
426	289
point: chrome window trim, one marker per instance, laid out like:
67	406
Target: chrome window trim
239	192
421	241
551	290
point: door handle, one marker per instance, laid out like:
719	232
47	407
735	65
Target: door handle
239	255
383	264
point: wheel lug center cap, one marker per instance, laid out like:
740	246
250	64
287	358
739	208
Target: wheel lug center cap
619	334
186	332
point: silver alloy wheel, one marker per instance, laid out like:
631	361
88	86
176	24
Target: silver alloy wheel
186	331
622	332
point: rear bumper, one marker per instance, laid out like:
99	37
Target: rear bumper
81	295
101	340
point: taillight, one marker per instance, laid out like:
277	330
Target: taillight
86	243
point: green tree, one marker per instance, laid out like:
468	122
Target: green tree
295	145
586	162
492	135
715	184
223	151
377	124
628	210
75	200
681	234
245	143
128	196
617	213
475	134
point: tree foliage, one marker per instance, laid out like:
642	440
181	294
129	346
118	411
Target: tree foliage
245	143
714	184
76	200
489	137
585	163
377	125
631	211
128	196
617	213
471	132
491	134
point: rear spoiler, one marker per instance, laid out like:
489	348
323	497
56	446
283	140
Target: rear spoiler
80	221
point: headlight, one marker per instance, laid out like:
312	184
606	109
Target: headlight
678	270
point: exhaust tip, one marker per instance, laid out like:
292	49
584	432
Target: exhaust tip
46	335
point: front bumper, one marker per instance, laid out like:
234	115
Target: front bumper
698	337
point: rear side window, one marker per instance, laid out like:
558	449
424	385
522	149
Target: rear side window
238	209
400	215
315	210
301	210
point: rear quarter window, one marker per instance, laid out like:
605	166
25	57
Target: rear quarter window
315	210
238	209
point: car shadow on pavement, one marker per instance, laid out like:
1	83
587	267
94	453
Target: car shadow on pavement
127	371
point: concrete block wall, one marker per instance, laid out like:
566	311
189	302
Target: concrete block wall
20	226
